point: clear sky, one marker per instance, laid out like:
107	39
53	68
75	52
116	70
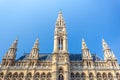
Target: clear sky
88	19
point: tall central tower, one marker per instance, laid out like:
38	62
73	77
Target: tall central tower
60	56
60	36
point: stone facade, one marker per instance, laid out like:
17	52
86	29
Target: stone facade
60	64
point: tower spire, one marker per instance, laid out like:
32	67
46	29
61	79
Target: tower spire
12	50
84	46
14	45
108	54
85	51
34	54
60	20
60	36
105	45
60	12
36	44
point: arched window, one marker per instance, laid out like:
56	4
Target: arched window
99	76
9	76
60	42
15	76
104	75
1	75
83	76
110	76
21	76
43	76
49	76
72	76
77	75
61	70
60	77
37	76
29	76
91	76
118	76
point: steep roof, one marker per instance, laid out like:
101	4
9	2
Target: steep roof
48	57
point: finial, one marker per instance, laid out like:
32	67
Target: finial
103	39
16	41
14	45
84	46
60	12
105	45
36	43
60	20
37	39
17	38
83	40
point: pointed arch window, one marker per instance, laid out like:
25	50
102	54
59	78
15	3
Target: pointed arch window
49	75
77	75
43	76
118	76
72	76
83	76
37	76
61	77
110	76
104	75
61	70
15	76
91	76
21	75
99	76
1	75
9	76
29	76
60	43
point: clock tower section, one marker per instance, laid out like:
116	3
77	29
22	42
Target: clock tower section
60	56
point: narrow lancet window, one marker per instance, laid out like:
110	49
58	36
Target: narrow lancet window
60	42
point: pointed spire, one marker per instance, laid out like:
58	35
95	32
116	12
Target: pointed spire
60	42
108	54
12	50
85	51
60	17
36	44
60	20
84	46
14	45
34	54
105	45
60	12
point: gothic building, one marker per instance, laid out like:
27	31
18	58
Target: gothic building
60	64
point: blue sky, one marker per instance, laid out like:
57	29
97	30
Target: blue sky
88	19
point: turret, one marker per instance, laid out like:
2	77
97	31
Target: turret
85	51
108	54
34	54
12	50
9	57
